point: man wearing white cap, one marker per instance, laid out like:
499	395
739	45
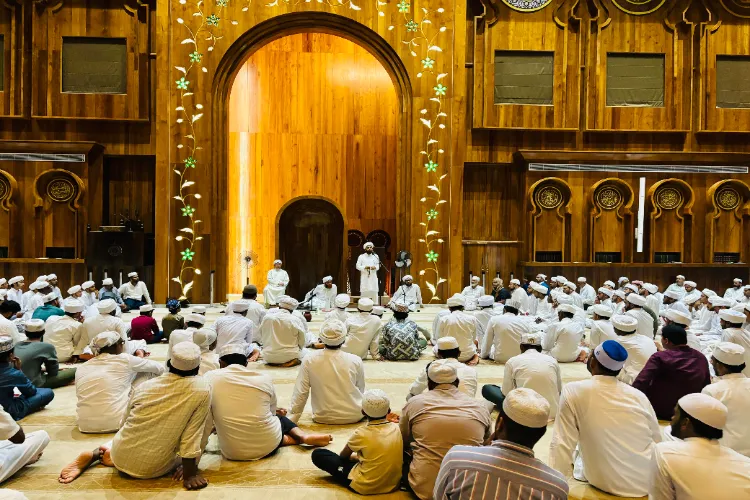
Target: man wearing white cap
244	411
678	286
645	322
587	292
28	299
504	334
408	293
692	294
144	326
696	466
40	290
653	301
745	299
335	378
368	265
463	327
613	425
90	298
39	360
105	382
472	293
485	311
105	321
684	321
179	401
702	311
277	279
618	302
569	289
363	331
736	292
108	291
639	347
519	295
601	326
341	302
53	281
205	338
323	295
506	468
435	421
732	331
622	282
378	448
134	292
539	304
50	308
732	388
467	375
15	290
65	333
563	338
236	328
283	335
75	292
193	323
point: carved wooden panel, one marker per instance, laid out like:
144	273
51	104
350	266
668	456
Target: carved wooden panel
727	223
57	194
611	222
550	209
11	31
671	218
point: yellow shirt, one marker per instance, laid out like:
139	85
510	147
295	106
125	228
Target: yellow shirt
380	449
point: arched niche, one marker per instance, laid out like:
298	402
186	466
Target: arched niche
728	223
611	221
8	189
57	196
550	201
670	220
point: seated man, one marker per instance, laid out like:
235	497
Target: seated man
341	302
335	378
563	339
179	401
731	323
504	334
645	322
108	291
401	339
463	327
65	333
11	377
144	326
236	328
371	462
518	294
484	312
472	293
639	347
283	335
134	292
531	370
173	320
672	373
193	323
255	312
35	355
50	308
408	293
105	382
105	321
277	279
507	463
205	338
363	331
8	328
323	295
256	428
18	449
435	421
601	326
449	351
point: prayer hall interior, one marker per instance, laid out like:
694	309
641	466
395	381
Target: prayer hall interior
199	142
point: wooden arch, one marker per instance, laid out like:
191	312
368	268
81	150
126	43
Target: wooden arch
551	195
672	197
728	224
8	186
69	180
611	196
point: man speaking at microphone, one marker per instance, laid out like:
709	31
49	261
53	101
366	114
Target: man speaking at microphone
368	264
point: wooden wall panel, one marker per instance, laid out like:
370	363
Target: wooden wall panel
129	185
14	44
310	115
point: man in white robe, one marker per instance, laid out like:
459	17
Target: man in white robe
678	286
502	339
134	292
104	321
639	347
363	331
569	289
563	338
193	322
485	312
618	302
732	331
15	290
462	326
283	335
236	328
90	298
601	326
604	296
408	294
368	264
472	293
692	294
607	425
65	332
255	311
670	301
447	348
340	302
18	449
650	292
539	304
519	295
53	281
587	293
323	295
622	282
635	306
736	293
277	279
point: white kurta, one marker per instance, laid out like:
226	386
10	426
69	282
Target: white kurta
322	297
177	336
698	469
96	325
464	328
13	457
692	297
368	278
233	329
135	292
615	428
601	330
277	279
363	332
740	337
283	337
653	303
563	340
735	294
588	294
577	300
472	294
645	325
255	312
521	296
16	296
209	362
63	333
734	391
674	287
410	296
537	371
436	322
9	329
503	337
467	380
336	380
639	348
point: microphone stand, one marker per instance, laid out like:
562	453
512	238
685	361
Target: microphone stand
308	303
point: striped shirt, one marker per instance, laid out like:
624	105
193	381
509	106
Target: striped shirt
502	470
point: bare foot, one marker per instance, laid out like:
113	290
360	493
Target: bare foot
105	456
254	356
319	440
473	361
34	459
76	468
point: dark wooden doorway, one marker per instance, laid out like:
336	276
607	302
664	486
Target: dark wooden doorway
311	244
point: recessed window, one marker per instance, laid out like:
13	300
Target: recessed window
635	80
524	77
94	65
732	82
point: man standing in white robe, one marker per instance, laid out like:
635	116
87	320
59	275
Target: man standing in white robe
323	295
368	264
277	279
408	294
608	426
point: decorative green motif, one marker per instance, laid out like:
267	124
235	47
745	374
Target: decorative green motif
428	63
403	6
440	89
432	214
213	20
182	84
190	162
195	57
187	254
187	211
412	26
222	3
431	256
431	166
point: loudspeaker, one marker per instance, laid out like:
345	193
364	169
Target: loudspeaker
115	249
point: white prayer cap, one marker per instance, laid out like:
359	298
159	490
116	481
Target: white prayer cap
543	276
238	306
691	284
204	337
526	407
636	300
365	304
49	297
571	285
15	279
602	310
375	403
582	279
737	280
186	356
442	371
514	281
562	279
327	278
378	311
680	277
531	338
146	308
672	294
73	306
367	245
227	349
611	355
563	298
106	306
74	289
332	332
104	339
277	261
515	304
288	303
3	281
6	344
87	284
729	353
651	288
622	279
678	317
703	407
107	282
486	301
717	301
195	318
732	316
606	291
553	278
567	308
34	325
201	309
631	286
447	343
408	277
609	283
399	307
624	323
456	300
538	288
132	274
53	276
476	278
342	300
34	285
43	277
708	292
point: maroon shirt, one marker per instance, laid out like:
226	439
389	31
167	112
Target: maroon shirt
671	374
143	328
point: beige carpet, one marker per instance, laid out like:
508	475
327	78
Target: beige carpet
288	475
